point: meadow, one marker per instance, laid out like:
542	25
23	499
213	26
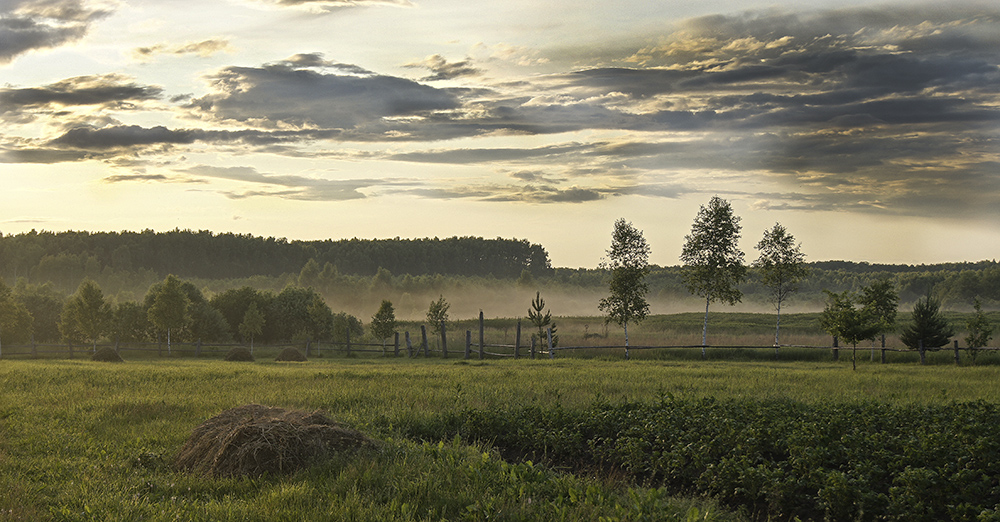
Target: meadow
82	440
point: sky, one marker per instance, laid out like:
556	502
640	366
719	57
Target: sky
868	130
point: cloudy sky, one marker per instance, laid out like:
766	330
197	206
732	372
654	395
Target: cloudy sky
870	131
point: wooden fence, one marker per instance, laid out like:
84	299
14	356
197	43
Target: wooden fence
533	348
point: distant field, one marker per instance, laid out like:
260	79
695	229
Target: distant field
81	440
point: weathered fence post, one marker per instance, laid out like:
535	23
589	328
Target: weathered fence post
517	340
957	361
409	345
444	342
532	346
552	352
836	352
468	343
923	353
308	346
482	336
423	340
395	345
348	341
197	349
883	348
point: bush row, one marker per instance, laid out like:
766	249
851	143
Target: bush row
775	459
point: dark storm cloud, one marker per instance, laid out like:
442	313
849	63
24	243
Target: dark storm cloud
112	91
283	94
26	25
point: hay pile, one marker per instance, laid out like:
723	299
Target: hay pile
106	355
290	355
239	354
254	440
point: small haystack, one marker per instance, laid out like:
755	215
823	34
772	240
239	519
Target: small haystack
255	440
239	354
106	354
291	355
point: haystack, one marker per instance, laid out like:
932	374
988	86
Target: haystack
290	355
239	354
106	354
254	440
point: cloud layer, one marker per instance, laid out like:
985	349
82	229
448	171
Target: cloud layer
892	111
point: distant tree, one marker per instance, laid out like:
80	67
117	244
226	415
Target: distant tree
979	328
45	306
928	328
845	319
206	324
252	324
781	266
88	312
437	313
345	324
320	319
309	276
525	280
235	302
541	320
129	322
882	300
384	322
15	320
628	262
713	263
168	306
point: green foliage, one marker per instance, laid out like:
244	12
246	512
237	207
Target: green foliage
979	328
881	299
345	324
845	319
87	312
206	324
928	327
781	265
252	324
130	323
383	323
15	320
167	305
778	460
713	262
437	313
628	262
542	321
45	306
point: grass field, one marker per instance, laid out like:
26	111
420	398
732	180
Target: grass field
82	440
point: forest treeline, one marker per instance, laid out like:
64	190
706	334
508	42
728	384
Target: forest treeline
66	257
499	276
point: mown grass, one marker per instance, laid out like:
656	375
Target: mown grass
81	440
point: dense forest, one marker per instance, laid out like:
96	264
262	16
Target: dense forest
44	270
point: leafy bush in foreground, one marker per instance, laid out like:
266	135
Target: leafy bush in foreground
777	459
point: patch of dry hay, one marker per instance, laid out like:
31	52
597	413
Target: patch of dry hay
239	354
106	354
254	440
291	355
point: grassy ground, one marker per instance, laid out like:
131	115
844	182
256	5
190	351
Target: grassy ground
81	440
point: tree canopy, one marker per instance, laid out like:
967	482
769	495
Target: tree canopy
628	262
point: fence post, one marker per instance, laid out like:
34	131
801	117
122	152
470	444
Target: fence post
923	353
836	352
444	341
423	340
883	348
517	340
468	343
552	353
395	345
308	346
481	336
532	346
409	345
197	349
348	341
957	361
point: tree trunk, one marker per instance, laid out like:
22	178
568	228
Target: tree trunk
626	340
704	329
